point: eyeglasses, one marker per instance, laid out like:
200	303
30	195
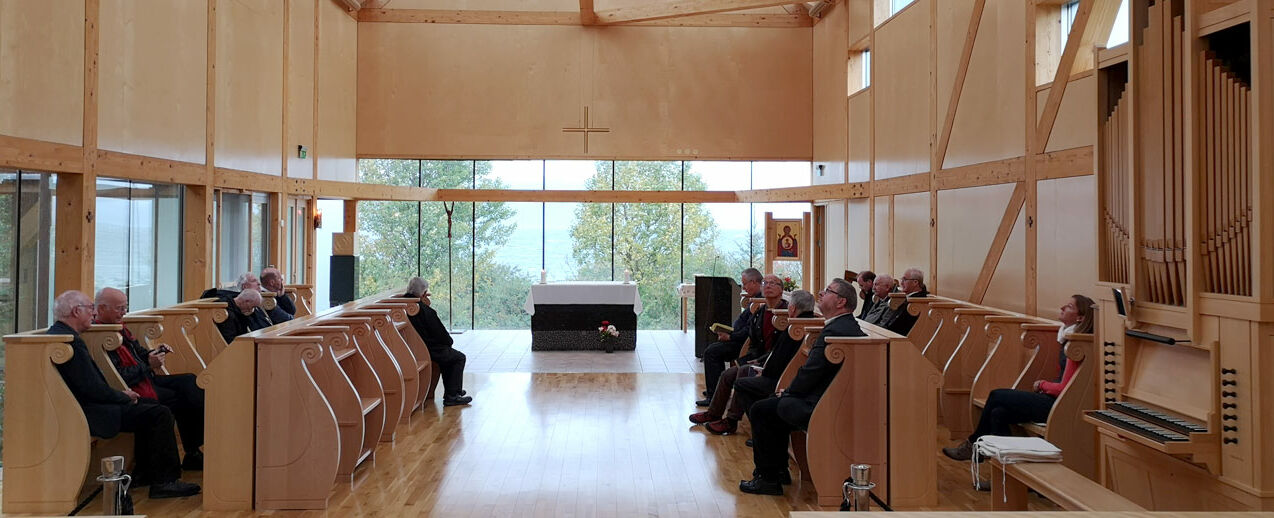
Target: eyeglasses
910	279
833	292
773	283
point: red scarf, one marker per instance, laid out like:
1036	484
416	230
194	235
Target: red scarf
145	388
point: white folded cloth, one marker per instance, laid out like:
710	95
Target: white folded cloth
1010	450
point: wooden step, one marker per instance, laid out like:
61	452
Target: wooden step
343	353
368	403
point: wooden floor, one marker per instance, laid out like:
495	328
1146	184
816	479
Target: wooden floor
567	440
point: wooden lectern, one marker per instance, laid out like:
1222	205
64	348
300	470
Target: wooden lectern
716	301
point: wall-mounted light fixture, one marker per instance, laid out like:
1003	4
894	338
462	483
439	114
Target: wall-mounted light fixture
318	218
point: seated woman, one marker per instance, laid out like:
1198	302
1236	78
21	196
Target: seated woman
750	382
1005	407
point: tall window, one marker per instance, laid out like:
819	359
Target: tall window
1069	10
333	217
480	275
1119	32
243	234
138	241
859	70
296	253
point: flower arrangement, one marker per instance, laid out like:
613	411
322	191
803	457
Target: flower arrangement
789	284
606	334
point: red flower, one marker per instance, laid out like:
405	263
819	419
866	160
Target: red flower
605	323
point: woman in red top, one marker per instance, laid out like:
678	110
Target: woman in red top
1006	407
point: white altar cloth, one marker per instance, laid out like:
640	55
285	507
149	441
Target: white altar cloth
583	292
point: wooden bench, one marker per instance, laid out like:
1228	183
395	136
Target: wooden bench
1062	486
176	330
880	409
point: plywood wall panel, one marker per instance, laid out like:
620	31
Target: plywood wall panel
831	105
831	133
1066	241
1008	285
249	105
952	28
989	117
834	242
152	76
967	221
860	136
883	261
338	93
901	93
859	19
704	91
1076	124
300	76
664	92
495	5
42	70
911	232
858	235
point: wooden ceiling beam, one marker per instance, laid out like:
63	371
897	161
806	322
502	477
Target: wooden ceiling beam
775	20
587	16
679	8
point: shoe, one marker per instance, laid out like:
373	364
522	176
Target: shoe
761	486
960	452
193	462
702	417
705	393
785	478
723	427
704	402
456	400
461	392
174	489
749	444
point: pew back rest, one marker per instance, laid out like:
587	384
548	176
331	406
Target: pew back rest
807	330
102	341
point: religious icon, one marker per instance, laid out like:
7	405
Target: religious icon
788	246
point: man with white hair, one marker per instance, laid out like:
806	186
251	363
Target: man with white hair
900	320
245	315
248	281
109	411
141	370
881	288
450	362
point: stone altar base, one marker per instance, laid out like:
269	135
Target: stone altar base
573	327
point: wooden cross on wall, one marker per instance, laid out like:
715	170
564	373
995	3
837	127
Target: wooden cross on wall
585	129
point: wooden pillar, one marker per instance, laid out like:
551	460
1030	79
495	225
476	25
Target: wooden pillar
1032	237
197	235
351	216
77	194
311	244
279	231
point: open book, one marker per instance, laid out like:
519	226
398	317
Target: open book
718	328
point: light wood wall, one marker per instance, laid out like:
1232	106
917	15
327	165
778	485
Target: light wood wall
506	91
205	93
944	145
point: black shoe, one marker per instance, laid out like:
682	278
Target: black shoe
704	402
461	392
456	400
748	443
761	486
174	489
785	478
705	393
193	462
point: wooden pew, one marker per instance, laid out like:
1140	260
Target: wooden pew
754	305
303	297
961	367
207	338
102	340
1062	486
926	325
946	335
401	309
1066	427
1004	362
388	373
387	332
176	328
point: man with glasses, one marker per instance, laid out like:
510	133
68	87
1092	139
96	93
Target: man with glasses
774	418
728	345
109	411
900	320
141	369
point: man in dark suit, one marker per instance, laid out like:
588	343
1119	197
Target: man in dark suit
900	320
866	283
726	348
138	365
272	281
449	361
774	419
881	288
109	411
277	315
244	313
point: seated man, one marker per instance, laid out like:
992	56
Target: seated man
866	281
726	348
755	380
450	362
278	315
900	320
272	280
774	418
881	288
109	411
137	365
244	314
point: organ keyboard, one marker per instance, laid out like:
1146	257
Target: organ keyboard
1149	423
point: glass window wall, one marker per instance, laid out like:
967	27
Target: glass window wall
138	241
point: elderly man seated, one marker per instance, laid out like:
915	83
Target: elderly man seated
138	366
900	320
881	288
450	362
248	281
272	280
245	314
109	411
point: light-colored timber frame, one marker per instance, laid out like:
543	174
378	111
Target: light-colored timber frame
80	165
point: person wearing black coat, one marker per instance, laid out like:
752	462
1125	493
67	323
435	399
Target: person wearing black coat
901	320
109	411
137	366
774	418
450	362
726	348
243	312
